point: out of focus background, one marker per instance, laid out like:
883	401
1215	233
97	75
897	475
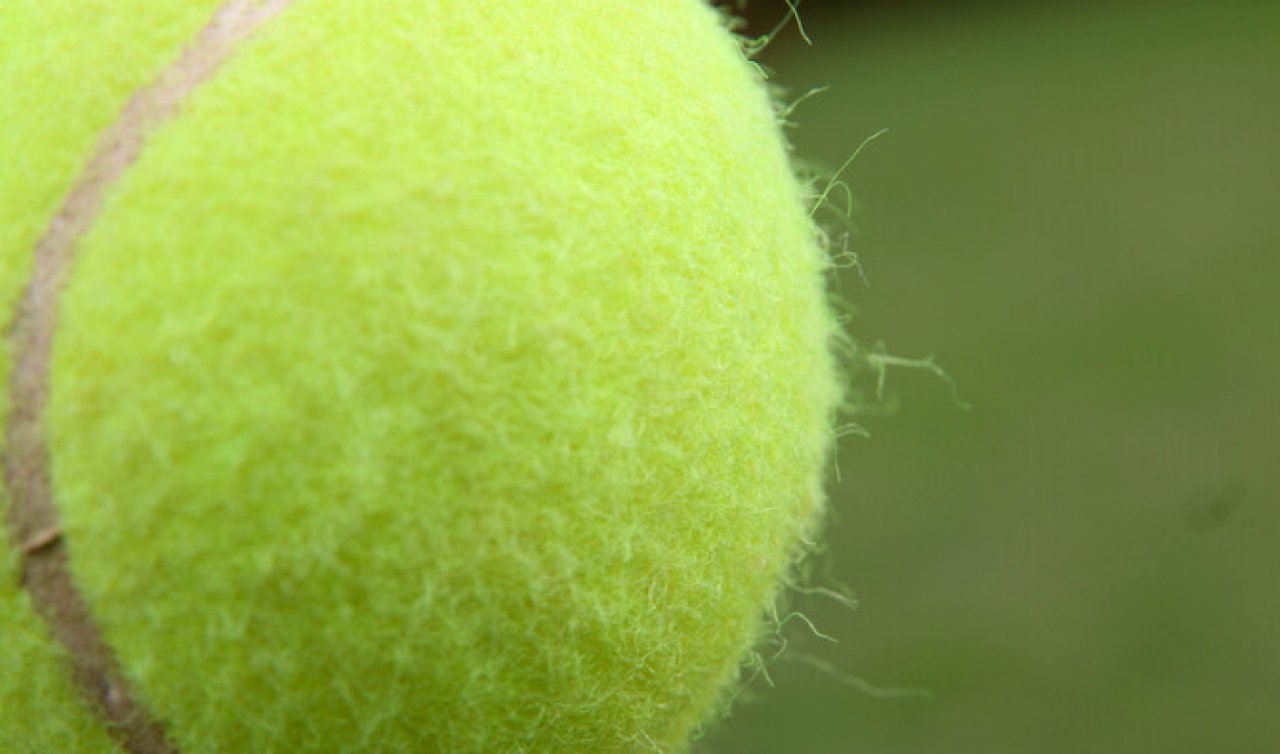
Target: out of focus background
1077	209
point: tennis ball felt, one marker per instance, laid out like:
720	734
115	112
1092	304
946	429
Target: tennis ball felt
419	376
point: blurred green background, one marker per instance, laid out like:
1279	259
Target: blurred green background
1077	209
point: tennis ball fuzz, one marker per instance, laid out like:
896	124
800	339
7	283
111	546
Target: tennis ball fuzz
411	376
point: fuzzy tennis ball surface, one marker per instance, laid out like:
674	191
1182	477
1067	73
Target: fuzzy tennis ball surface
411	376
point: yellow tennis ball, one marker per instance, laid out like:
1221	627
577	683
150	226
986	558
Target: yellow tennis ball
410	376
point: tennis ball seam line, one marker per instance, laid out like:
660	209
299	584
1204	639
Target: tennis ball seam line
33	519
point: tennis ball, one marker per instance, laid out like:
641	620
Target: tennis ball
419	376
